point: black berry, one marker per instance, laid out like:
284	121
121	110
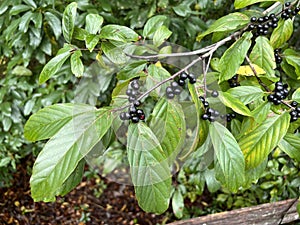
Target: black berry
135	119
214	93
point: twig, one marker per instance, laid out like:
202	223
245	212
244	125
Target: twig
271	8
256	75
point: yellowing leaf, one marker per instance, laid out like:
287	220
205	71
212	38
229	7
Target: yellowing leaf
246	70
158	64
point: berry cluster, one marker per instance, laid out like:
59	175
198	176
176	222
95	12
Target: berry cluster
211	114
295	113
134	114
233	82
277	56
288	12
262	25
281	92
175	87
133	90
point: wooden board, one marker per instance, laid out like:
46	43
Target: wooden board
282	212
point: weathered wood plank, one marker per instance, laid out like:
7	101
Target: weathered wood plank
282	212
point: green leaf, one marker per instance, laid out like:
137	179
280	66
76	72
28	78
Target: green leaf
168	124
54	65
246	94
48	121
290	144
131	70
230	22
25	20
76	63
73	180
64	151
118	33
115	54
261	112
31	3
28	107
234	56
296	95
238	4
234	103
55	24
68	21
152	24
253	174
156	73
91	40
293	58
263	56
259	142
229	155
93	23
161	35
177	204
282	33
21	71
6	122
149	169
15	10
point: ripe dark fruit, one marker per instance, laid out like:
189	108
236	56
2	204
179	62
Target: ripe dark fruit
253	19
169	90
170	95
206	104
202	99
123	116
181	82
260	20
135	84
183	76
142	117
174	84
192	78
205	116
177	91
214	93
233	115
131	99
287	4
294	103
135	119
137	103
132	110
294	118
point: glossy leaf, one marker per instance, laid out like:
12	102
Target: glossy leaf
68	21
118	33
55	23
168	125
293	58
161	35
31	3
259	142
263	56
73	180
76	63
229	155
234	103
234	56
290	144
296	95
93	23
261	112
152	25
48	121
131	69
246	94
149	169
63	152
16	9
238	4
115	54
53	66
282	33
177	203
25	20
226	23
91	40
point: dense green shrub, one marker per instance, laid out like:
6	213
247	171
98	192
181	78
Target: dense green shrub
245	67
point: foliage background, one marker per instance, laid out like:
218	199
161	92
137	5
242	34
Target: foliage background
30	34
